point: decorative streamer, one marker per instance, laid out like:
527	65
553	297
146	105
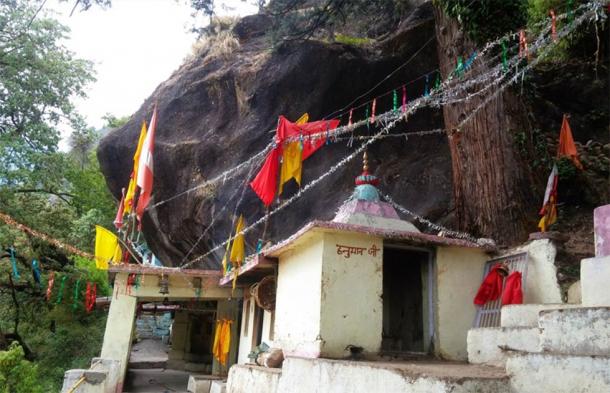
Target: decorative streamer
60	294
470	60
404	99
90	297
131	278
395	101
504	54
426	88
373	107
76	295
36	271
437	81
349	121
50	285
366	117
523	51
14	264
570	11
459	68
259	246
137	282
553	25
327	135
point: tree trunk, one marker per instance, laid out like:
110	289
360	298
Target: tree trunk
492	185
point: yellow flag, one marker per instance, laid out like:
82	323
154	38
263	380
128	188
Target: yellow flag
238	249
216	348
292	159
131	189
107	248
225	342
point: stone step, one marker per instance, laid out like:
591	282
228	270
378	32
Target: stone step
576	331
491	346
594	279
536	373
526	315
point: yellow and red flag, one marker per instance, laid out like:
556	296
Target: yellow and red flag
145	167
131	189
292	159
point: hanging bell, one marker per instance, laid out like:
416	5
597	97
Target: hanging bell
163	285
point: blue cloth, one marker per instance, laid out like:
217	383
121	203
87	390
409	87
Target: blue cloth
14	263
36	271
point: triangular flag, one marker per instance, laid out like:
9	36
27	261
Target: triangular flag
292	162
549	204
145	167
107	248
567	147
238	251
131	189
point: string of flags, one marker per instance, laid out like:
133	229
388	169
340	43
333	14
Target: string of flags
541	42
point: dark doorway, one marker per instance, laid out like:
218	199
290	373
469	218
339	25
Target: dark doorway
405	300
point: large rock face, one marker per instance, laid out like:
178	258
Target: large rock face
216	113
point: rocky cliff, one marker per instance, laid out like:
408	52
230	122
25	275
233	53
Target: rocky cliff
217	111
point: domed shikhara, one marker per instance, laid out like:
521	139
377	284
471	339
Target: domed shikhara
364	207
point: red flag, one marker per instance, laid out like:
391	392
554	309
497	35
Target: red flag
266	181
118	220
145	167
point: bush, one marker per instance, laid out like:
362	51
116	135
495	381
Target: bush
17	375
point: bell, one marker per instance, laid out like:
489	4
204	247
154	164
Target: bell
163	285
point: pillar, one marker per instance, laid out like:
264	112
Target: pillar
119	328
179	341
601	225
228	309
595	272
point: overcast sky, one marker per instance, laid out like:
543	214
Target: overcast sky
135	45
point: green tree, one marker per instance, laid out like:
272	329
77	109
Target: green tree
17	375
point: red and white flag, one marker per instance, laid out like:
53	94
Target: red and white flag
145	167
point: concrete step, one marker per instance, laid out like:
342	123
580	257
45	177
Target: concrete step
526	315
576	331
345	376
536	373
491	346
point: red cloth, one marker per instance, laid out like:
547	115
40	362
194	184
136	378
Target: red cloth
513	294
266	181
567	147
491	288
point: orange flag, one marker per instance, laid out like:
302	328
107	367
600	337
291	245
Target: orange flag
567	148
131	189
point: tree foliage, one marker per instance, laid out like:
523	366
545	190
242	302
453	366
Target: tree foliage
17	375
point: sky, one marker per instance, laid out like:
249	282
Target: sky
134	45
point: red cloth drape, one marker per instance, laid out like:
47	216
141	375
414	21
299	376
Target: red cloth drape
567	147
491	288
513	292
266	181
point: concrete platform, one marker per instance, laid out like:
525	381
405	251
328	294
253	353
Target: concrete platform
491	346
576	331
300	375
148	354
536	373
156	381
526	315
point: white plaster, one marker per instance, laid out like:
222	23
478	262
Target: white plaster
378	222
526	315
595	281
458	277
536	373
540	284
119	327
297	319
351	306
576	331
246	337
253	379
328	376
491	346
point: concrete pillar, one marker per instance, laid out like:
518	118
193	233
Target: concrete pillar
601	224
179	341
119	327
228	309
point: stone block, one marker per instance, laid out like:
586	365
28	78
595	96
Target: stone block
536	373
491	346
200	384
601	225
253	379
526	315
218	387
595	281
576	331
575	293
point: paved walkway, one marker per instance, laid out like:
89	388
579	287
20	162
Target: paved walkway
148	353
156	381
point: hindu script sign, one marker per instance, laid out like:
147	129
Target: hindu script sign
348	251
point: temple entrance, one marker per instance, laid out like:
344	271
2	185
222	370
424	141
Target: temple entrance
406	300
